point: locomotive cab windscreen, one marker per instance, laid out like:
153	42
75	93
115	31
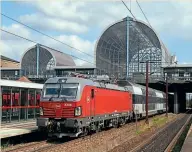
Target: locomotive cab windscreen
60	91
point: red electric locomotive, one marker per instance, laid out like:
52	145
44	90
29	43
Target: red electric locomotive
74	106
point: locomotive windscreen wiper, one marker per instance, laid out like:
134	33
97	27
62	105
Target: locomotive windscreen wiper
65	99
50	99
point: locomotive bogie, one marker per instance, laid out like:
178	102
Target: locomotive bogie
73	127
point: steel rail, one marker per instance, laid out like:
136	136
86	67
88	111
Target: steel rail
20	148
175	139
150	140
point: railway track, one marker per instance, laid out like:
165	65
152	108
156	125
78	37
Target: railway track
80	144
46	146
24	147
176	138
149	144
74	142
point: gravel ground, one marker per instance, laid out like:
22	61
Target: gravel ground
120	139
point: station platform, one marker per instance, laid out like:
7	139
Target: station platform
17	128
187	145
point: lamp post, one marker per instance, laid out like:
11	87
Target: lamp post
166	90
146	95
147	86
166	96
147	81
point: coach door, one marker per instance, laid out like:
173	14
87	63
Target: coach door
92	102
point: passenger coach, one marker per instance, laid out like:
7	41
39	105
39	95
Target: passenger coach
20	100
156	99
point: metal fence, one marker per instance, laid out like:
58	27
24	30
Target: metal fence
162	139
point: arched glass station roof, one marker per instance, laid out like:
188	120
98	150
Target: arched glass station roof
126	45
40	59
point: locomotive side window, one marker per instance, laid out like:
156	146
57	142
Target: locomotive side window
92	93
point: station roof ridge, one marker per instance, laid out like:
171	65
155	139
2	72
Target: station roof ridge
24	79
8	59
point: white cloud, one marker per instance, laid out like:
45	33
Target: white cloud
186	63
79	62
74	16
167	17
172	18
50	23
63	9
14	47
77	42
16	29
85	47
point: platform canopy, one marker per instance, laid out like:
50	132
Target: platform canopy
124	47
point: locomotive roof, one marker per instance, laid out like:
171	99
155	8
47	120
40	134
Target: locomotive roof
86	82
143	87
139	89
127	86
70	79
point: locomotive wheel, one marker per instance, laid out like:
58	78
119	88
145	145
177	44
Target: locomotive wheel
98	129
85	132
123	122
116	123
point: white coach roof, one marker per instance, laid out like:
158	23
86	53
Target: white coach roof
19	84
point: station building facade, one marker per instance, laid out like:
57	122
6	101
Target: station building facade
65	70
178	72
9	67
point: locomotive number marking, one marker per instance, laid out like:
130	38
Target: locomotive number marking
68	104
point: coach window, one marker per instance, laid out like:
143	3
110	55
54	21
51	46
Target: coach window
15	104
24	104
6	104
38	96
31	103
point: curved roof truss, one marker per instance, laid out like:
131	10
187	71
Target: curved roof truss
39	59
124	44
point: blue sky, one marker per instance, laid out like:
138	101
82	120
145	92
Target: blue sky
81	23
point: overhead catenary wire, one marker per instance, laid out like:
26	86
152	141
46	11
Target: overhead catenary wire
48	47
145	16
46	35
42	45
52	38
143	13
128	9
61	41
137	20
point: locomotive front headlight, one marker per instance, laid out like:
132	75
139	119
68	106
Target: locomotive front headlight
77	111
41	111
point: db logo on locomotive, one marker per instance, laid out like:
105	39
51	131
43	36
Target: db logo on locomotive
88	99
57	106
